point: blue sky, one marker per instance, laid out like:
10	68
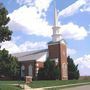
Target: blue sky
32	20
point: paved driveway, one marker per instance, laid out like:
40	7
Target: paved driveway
85	87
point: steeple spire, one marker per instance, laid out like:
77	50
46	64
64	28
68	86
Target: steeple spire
56	29
57	47
55	14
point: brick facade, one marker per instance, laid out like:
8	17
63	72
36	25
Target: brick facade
36	65
58	50
26	65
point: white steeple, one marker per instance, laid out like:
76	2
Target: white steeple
55	14
56	29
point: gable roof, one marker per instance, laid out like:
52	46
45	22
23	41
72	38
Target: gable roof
31	55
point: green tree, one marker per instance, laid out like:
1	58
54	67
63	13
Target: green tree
9	65
5	33
50	71
73	72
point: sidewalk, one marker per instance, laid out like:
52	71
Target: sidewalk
26	87
85	87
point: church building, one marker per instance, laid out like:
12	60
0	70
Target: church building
31	62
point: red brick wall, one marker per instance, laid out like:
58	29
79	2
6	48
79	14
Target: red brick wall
63	61
34	64
54	51
59	51
26	64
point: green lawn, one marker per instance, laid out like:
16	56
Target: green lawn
5	85
39	84
9	87
11	82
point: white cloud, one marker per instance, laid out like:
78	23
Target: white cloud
32	24
83	64
73	31
71	51
26	46
39	4
31	46
72	8
30	21
25	2
82	5
86	8
16	38
85	61
10	46
42	5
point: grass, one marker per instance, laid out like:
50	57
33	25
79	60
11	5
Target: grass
63	87
39	84
7	85
10	82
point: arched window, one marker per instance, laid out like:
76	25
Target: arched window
30	72
22	71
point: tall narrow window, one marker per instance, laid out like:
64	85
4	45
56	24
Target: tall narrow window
30	73
22	71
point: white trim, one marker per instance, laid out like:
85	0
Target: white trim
59	42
